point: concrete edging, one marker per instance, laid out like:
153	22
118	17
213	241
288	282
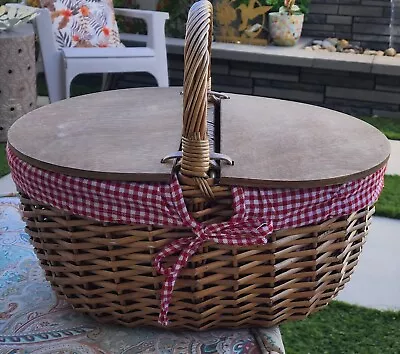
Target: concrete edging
293	56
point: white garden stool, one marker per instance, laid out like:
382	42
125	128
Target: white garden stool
17	76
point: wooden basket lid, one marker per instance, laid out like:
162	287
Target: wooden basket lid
122	135
114	135
277	143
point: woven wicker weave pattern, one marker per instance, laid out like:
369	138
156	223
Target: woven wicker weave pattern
106	271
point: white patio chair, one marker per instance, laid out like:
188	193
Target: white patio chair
61	65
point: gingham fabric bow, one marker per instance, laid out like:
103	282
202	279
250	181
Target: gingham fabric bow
239	233
240	230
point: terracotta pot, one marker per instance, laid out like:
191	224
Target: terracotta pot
285	29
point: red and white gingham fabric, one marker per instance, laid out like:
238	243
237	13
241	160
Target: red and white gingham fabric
257	212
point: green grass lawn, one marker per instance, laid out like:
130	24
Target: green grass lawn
388	126
3	161
344	329
389	202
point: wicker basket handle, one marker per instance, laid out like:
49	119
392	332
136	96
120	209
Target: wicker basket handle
197	82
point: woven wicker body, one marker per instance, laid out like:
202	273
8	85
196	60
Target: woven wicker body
100	271
108	270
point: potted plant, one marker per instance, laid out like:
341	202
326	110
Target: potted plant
286	24
178	12
241	21
13	15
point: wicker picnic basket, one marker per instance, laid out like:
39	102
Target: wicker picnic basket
107	270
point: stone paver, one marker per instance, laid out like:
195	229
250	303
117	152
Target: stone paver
7	186
42	101
394	161
375	282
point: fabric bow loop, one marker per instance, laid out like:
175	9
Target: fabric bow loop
225	233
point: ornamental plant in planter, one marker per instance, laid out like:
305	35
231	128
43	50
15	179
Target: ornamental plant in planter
286	24
178	12
236	21
241	21
13	16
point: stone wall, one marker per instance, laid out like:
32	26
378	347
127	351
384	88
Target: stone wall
356	93
364	21
361	85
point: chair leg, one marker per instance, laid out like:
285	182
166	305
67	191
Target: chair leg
105	81
161	76
109	81
55	82
68	81
55	90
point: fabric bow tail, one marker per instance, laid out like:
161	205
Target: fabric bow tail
187	247
239	234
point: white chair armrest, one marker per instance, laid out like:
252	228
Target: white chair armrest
103	53
155	21
146	15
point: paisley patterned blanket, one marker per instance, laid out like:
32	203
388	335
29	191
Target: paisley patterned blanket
33	321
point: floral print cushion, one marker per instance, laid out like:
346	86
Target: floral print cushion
34	321
83	23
